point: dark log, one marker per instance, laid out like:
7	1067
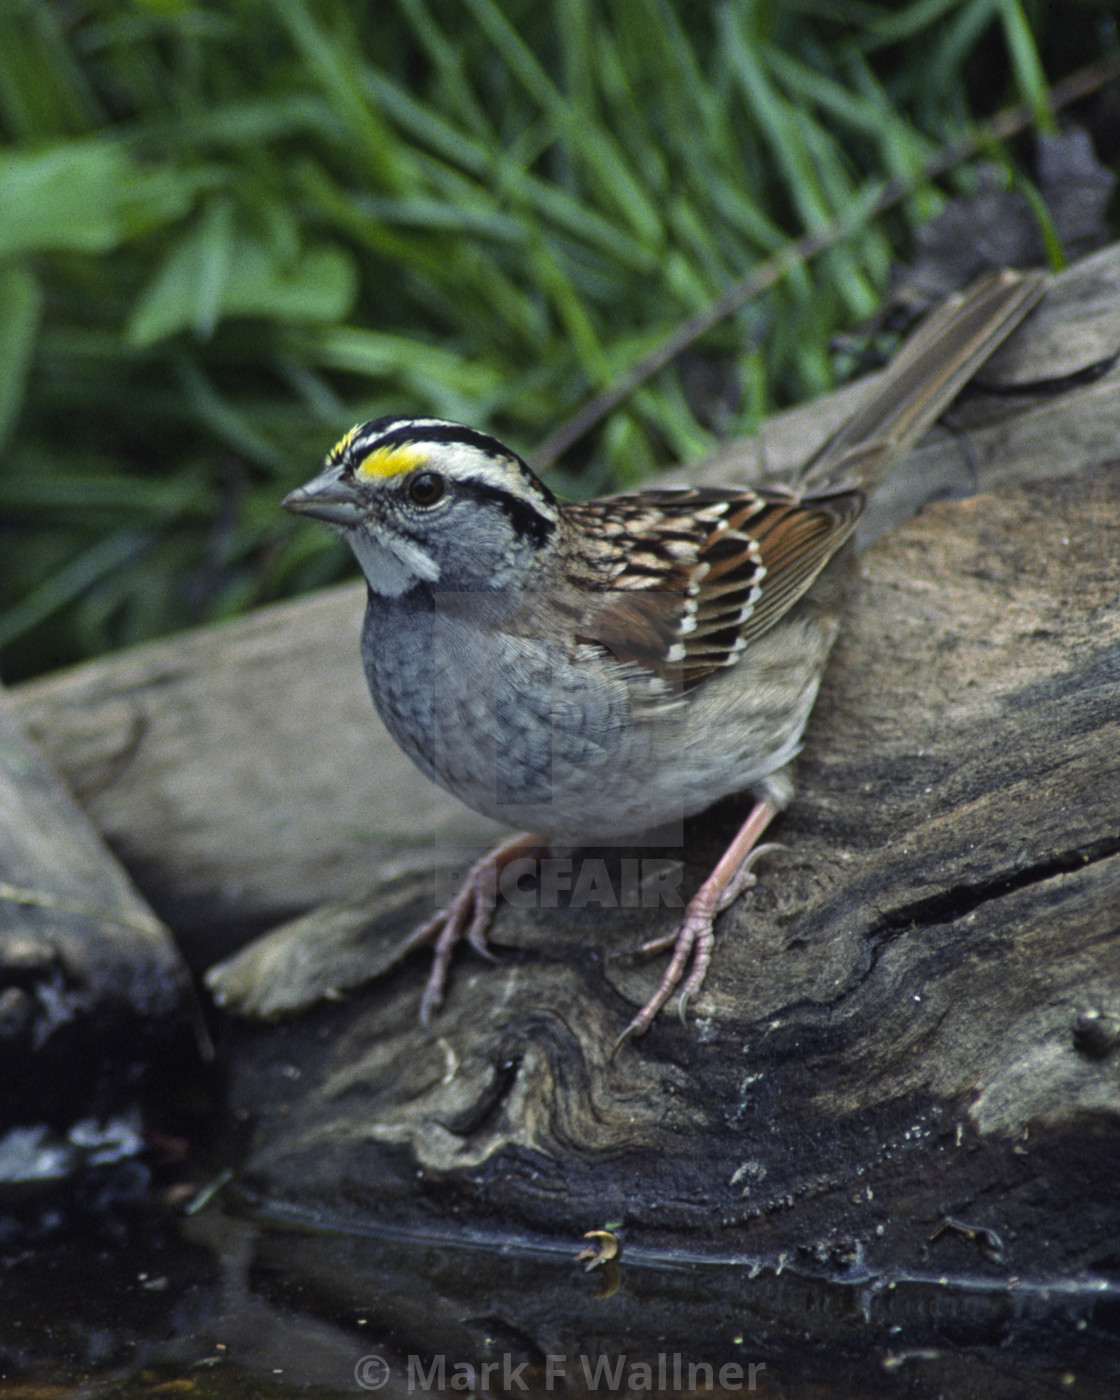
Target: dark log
914	1015
90	981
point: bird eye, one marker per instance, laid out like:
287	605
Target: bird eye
426	488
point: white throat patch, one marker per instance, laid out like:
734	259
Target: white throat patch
391	566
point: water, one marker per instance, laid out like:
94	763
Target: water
243	1300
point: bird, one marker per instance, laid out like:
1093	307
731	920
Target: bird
587	671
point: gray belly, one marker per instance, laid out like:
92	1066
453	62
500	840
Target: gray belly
573	751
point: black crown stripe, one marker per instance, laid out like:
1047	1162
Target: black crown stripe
380	433
525	518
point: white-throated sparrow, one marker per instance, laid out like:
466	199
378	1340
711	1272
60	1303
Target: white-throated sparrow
589	671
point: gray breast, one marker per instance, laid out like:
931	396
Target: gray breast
510	727
579	746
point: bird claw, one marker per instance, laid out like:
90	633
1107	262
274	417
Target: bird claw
745	878
467	916
695	938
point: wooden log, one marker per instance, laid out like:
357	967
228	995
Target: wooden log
903	1062
914	1017
240	774
90	981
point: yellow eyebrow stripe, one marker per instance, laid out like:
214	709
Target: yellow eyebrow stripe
336	452
392	461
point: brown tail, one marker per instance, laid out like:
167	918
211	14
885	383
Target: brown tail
919	384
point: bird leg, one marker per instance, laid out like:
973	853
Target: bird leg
467	916
696	936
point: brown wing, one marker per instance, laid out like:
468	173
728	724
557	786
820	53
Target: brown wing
689	578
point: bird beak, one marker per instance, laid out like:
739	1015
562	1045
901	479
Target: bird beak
327	497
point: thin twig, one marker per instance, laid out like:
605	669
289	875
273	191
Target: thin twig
1003	125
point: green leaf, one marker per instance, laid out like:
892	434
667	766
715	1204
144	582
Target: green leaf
218	271
1029	72
116	551
20	302
84	196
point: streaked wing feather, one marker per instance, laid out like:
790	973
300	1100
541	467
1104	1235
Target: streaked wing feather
723	566
796	543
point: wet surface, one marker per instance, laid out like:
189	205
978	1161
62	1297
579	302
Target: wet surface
259	1304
